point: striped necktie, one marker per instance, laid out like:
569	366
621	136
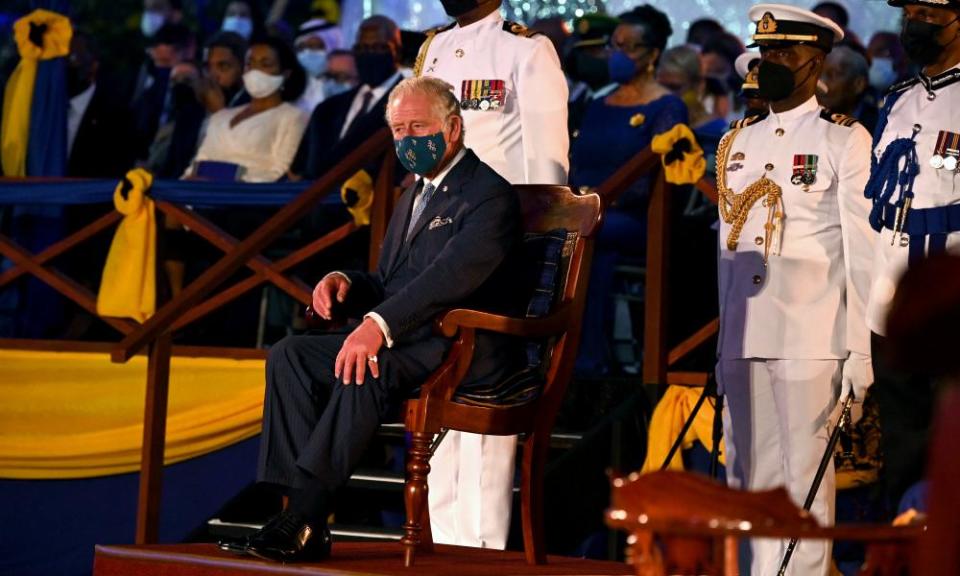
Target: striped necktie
421	204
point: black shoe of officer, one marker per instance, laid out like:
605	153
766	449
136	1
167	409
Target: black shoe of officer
290	538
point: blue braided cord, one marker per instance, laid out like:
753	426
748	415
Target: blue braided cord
887	177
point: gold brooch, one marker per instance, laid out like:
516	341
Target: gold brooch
637	119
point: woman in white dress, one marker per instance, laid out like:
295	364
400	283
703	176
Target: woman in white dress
262	137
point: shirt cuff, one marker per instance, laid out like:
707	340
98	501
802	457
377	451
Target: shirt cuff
338	273
383	327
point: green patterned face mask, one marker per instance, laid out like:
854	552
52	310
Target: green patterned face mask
421	154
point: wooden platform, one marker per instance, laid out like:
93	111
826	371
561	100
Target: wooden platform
348	559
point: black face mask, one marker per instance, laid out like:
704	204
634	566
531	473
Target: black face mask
373	68
777	82
455	8
77	82
589	69
919	40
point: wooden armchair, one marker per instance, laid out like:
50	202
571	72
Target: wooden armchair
545	209
682	523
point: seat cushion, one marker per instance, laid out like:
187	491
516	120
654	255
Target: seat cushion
544	260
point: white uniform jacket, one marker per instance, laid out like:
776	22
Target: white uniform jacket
932	187
808	301
513	96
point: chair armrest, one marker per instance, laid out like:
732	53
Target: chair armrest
551	325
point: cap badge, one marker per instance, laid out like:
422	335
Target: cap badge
767	24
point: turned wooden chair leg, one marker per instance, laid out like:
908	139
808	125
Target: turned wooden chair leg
531	499
415	494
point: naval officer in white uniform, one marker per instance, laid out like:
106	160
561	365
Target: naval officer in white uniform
915	188
513	98
794	273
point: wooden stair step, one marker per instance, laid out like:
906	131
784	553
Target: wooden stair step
348	559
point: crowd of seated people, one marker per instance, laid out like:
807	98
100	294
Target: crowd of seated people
258	100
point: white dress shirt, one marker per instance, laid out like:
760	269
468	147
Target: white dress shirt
378	93
263	144
809	301
932	188
525	140
75	112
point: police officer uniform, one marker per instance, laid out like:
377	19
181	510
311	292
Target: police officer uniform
916	212
795	256
513	98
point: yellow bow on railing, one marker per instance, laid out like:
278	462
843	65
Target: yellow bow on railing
40	35
357	194
682	157
128	287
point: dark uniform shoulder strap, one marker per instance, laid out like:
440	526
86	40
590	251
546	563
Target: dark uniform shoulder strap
839	119
748	121
902	85
518	29
422	54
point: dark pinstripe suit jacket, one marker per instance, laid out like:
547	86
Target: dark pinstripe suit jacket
463	253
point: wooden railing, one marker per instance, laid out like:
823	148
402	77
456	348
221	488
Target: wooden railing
195	301
657	357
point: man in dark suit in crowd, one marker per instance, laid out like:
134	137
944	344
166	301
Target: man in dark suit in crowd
97	133
451	242
341	123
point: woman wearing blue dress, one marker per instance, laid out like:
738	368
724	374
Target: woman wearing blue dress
614	129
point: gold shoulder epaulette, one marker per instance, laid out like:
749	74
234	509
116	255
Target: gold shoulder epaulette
518	29
836	118
422	54
749	120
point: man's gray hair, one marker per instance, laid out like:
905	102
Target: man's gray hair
685	60
852	63
445	104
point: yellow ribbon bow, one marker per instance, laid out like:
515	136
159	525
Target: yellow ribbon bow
681	156
128	286
357	194
56	33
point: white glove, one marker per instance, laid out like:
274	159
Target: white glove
857	377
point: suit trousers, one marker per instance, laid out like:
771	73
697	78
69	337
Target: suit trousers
777	427
471	489
314	426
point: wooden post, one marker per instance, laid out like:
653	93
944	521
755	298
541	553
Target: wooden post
656	301
154	436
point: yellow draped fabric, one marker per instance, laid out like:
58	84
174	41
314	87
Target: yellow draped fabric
18	94
360	184
128	287
688	169
668	418
77	415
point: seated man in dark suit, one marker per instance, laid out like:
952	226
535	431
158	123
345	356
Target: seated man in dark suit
452	242
341	123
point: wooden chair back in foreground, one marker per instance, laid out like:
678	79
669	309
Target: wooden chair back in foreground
532	397
685	524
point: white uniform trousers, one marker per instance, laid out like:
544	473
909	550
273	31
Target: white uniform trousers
471	489
776	426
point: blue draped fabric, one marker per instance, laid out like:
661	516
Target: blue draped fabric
175	191
47	147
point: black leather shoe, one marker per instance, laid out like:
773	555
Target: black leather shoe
290	538
234	545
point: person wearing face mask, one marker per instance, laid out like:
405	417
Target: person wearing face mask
313	441
513	96
888	63
753	103
341	74
342	122
156	13
914	190
614	129
260	138
242	18
585	65
315	40
794	269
